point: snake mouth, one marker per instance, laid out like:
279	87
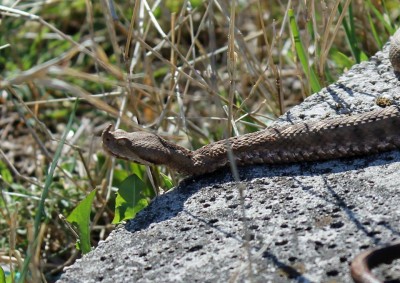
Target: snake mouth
131	158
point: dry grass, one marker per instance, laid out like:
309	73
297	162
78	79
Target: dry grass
196	75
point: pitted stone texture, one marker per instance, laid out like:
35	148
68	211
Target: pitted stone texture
305	221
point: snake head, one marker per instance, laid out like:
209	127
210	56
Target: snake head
139	147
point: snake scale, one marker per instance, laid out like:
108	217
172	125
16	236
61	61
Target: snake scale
346	136
366	133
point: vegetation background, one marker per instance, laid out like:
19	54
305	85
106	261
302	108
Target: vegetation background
192	71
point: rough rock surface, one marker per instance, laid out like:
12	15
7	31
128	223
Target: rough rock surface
305	222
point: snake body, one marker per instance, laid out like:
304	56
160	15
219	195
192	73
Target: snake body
363	263
361	134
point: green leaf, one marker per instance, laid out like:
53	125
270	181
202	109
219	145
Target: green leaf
2	276
56	114
119	176
161	72
174	6
364	57
127	169
130	199
80	217
137	169
167	181
341	60
5	173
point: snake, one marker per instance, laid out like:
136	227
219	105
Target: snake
345	136
361	134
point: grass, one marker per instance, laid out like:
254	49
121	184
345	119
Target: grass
192	72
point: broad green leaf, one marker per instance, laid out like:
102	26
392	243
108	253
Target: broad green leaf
130	199
119	176
80	217
137	169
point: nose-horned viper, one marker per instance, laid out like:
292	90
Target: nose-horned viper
347	136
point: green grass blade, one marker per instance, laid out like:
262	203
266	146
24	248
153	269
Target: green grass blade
380	17
49	180
315	86
349	29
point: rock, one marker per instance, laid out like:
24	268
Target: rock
305	222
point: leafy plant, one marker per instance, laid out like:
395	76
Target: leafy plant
80	218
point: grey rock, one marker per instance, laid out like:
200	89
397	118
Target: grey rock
305	222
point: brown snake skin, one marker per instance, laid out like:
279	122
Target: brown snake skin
363	263
346	136
361	134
